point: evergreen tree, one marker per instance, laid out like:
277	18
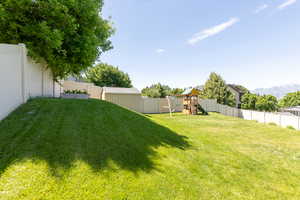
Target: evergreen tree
216	88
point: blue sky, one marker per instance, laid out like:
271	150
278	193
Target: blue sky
255	43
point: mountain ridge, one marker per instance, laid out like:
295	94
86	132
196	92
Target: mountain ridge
278	91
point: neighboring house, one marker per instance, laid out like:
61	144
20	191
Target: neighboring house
293	110
238	93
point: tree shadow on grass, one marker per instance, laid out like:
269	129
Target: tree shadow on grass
61	132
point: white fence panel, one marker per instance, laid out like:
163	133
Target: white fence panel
21	78
178	104
10	79
258	116
287	120
210	105
246	114
273	118
231	111
223	110
236	112
163	105
262	117
151	105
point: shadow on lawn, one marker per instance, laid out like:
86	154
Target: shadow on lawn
96	132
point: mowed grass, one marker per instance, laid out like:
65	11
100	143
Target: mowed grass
90	149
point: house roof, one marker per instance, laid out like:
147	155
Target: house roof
116	90
236	88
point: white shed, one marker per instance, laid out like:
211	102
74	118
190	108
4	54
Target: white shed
127	97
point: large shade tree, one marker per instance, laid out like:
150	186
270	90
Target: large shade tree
267	103
290	100
157	91
68	35
249	101
216	88
105	75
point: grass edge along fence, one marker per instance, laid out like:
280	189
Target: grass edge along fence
279	119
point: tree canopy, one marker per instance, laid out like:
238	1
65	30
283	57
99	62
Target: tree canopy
267	103
249	101
176	91
160	91
105	75
156	91
216	88
290	100
68	35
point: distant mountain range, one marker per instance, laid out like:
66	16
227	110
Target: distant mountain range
278	91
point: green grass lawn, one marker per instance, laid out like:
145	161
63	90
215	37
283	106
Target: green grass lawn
90	149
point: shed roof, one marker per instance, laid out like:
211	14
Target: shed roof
116	90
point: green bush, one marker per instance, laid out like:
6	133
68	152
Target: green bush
273	124
290	127
76	92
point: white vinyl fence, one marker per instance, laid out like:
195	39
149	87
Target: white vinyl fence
21	78
160	105
280	119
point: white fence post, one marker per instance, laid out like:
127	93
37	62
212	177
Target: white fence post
23	73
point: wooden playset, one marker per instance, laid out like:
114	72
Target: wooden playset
191	105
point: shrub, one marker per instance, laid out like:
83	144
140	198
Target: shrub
290	127
76	92
273	124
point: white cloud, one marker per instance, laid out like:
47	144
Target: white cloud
261	8
286	4
160	51
212	31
